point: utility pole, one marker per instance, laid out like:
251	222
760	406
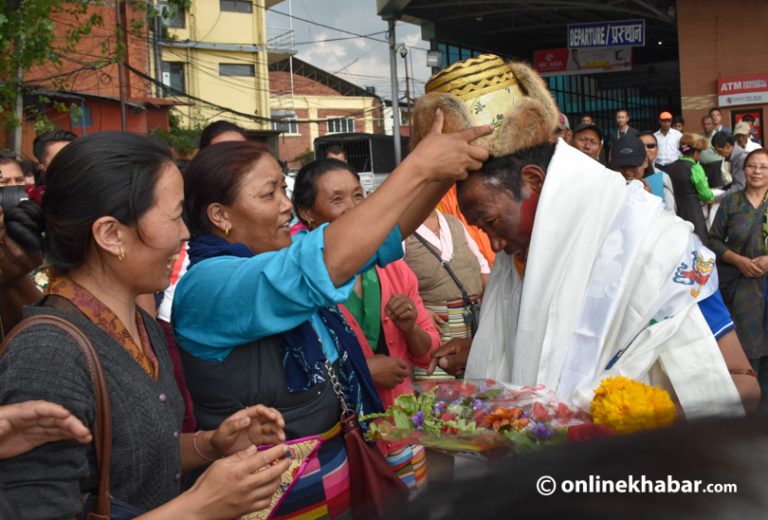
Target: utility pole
395	91
404	54
158	56
19	108
121	35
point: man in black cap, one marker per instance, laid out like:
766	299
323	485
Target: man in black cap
629	158
588	138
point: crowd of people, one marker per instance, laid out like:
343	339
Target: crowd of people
237	325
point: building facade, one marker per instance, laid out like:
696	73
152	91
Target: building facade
317	103
215	57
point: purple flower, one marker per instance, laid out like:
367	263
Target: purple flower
542	432
438	409
418	420
477	404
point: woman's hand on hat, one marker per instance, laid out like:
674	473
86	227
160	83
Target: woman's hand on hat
449	157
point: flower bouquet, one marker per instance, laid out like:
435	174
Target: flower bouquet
476	416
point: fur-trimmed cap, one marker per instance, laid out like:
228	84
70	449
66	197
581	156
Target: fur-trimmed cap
511	97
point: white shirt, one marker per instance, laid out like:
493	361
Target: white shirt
444	243
751	146
669	146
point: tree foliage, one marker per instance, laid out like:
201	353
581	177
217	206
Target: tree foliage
32	34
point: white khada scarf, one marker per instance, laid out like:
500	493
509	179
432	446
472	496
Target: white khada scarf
611	286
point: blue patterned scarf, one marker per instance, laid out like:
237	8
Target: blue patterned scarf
303	357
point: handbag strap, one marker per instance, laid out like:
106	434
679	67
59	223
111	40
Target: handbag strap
102	437
336	385
464	294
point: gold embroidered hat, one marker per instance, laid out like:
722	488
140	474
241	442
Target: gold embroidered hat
511	97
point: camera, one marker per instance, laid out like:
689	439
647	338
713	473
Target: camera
11	196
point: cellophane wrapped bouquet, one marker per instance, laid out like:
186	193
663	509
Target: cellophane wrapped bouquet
476	416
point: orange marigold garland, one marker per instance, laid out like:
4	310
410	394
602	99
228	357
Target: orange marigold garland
627	406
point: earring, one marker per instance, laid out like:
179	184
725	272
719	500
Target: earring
121	254
226	232
311	224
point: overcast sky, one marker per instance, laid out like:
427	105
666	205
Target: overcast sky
362	61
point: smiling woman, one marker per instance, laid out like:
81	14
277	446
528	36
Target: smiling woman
256	315
110	227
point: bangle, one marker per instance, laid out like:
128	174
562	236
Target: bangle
197	448
742	372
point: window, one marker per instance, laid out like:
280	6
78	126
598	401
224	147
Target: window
237	69
341	126
80	117
172	17
288	126
236	6
173	76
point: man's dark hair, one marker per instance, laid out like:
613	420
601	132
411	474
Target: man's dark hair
715	109
706	117
622	110
678	119
335	149
218	128
648	133
720	139
504	171
41	142
748	118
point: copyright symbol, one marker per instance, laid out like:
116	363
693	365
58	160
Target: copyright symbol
546	486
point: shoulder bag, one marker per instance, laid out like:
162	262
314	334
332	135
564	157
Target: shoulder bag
471	309
101	506
375	489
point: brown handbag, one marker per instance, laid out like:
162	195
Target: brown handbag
375	489
102	430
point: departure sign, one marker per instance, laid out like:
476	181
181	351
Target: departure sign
624	33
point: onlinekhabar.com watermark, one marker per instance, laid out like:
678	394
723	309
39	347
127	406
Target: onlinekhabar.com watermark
547	486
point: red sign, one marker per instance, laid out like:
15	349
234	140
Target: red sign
563	61
749	89
757	120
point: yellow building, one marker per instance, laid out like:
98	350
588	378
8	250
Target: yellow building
217	54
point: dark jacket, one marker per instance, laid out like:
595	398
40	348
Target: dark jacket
686	197
45	363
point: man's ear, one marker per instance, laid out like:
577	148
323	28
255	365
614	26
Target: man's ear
219	217
108	234
533	176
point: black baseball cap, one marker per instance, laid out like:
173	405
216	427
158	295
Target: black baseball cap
588	126
628	151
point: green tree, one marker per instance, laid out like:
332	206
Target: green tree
31	34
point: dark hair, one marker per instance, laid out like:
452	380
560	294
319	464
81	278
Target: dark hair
705	118
758	151
622	110
305	187
218	128
714	109
214	175
678	119
726	451
748	118
335	149
648	133
41	142
720	139
106	173
504	171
